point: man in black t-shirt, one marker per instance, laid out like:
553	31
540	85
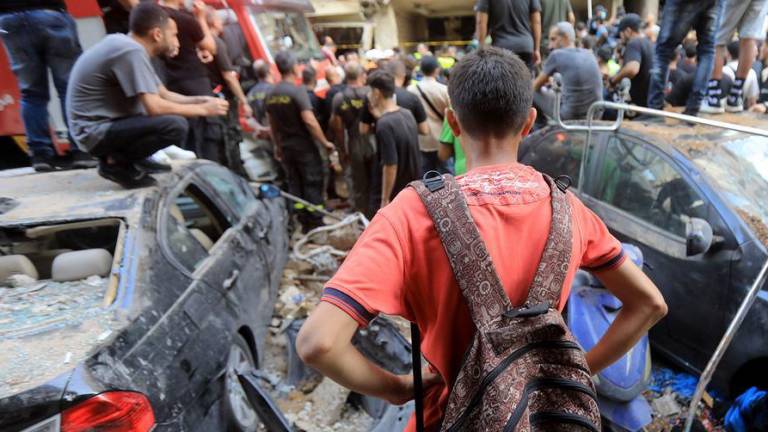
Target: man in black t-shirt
637	59
186	74
295	130
356	150
403	98
513	24
397	140
257	95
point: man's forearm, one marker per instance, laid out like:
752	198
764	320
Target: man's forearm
234	86
388	174
179	98
481	23
536	28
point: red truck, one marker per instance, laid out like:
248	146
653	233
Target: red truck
266	27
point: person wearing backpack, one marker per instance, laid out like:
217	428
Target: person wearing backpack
356	150
482	265
433	95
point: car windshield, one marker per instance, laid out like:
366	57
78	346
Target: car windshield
286	30
739	168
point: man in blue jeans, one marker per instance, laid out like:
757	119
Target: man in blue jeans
41	35
678	17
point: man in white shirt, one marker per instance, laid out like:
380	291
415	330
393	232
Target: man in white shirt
434	97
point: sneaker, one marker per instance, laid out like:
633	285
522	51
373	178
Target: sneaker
709	108
126	176
82	160
735	104
150	166
44	163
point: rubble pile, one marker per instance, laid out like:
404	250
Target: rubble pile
670	394
306	399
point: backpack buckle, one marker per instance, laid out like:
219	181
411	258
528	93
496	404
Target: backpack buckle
563	182
527	312
433	180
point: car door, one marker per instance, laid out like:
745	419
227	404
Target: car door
646	198
252	296
201	242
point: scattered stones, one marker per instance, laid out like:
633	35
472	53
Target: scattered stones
666	406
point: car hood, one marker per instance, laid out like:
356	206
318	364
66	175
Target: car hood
48	328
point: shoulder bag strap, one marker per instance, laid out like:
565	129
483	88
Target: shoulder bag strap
553	268
467	254
437	112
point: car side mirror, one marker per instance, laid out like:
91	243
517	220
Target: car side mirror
698	236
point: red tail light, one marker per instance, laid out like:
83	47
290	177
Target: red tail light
115	411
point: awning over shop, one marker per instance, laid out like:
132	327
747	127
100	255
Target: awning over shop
338	10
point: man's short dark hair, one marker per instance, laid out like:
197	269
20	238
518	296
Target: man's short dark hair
285	61
490	91
146	16
262	69
429	65
690	49
308	75
352	72
396	67
383	81
733	49
630	21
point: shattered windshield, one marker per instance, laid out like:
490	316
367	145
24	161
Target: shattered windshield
739	168
286	31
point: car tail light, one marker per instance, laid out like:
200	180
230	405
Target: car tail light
115	411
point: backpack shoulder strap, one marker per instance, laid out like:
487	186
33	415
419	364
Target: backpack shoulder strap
437	112
467	254
553	267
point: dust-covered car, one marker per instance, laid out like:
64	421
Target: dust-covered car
128	310
651	183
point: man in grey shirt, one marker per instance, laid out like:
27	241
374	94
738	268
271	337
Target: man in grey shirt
513	24
582	83
118	109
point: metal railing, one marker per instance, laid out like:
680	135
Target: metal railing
621	108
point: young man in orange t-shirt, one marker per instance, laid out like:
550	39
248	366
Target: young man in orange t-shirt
399	267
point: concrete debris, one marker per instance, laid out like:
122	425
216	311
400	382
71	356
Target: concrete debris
666	406
332	397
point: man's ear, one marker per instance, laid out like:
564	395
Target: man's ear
529	122
157	34
453	122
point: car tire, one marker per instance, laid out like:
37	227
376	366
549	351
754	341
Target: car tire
239	415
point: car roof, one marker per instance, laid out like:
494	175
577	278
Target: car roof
30	198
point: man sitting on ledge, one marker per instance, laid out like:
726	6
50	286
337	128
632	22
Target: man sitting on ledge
119	110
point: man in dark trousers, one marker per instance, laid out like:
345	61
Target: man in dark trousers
637	60
355	149
119	110
38	36
397	141
513	24
295	130
186	74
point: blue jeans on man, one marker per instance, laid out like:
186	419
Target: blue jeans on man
39	40
678	17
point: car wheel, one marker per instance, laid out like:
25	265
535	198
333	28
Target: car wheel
238	412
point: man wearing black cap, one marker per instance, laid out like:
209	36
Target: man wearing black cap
637	59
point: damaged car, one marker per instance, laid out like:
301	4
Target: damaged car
134	310
693	199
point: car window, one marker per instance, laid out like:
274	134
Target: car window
230	188
638	180
558	153
193	226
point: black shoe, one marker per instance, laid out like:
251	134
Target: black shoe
126	176
649	118
151	167
81	160
44	163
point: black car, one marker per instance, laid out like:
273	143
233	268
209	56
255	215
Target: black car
132	310
650	182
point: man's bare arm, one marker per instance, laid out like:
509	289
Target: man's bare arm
276	138
642	307
630	70
536	29
315	130
481	24
445	151
179	98
540	80
156	105
230	77
388	174
207	43
423	128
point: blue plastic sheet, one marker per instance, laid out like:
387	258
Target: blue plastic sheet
684	384
749	412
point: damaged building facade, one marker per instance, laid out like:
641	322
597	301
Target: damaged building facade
385	24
